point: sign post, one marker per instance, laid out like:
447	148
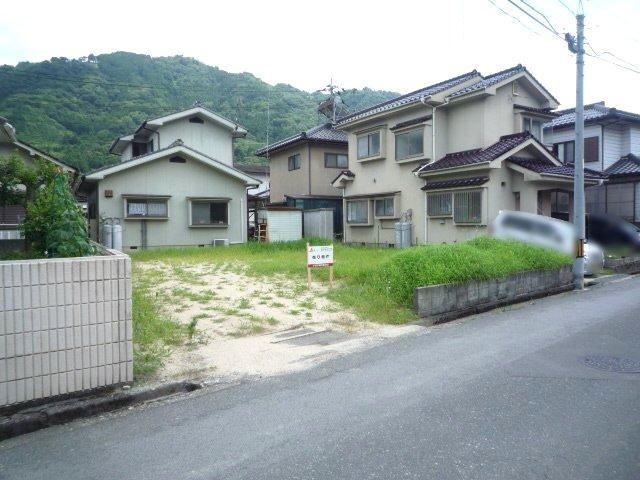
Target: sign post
319	256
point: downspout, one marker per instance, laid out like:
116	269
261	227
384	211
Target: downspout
434	105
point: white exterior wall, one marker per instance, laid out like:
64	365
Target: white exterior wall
65	326
612	148
634	141
180	180
284	225
208	137
637	202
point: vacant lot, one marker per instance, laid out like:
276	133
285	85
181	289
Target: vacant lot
200	299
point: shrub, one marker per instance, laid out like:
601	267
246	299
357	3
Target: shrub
54	224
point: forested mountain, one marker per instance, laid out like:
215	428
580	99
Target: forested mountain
74	109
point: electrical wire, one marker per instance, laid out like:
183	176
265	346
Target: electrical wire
542	15
567	7
513	17
535	19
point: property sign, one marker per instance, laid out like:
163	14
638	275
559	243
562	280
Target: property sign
320	256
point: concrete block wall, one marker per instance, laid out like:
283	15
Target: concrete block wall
445	302
65	326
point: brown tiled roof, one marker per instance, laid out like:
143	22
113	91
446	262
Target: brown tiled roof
479	155
627	165
547	167
322	133
457	182
252	168
408	123
542	111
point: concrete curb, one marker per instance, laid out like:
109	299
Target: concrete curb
36	418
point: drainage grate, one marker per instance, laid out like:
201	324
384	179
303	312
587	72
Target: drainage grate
612	364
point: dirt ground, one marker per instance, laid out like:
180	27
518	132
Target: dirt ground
245	326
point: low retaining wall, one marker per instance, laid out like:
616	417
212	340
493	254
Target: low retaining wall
630	265
65	326
439	303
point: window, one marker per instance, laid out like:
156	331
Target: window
336	160
177	160
467	207
533	126
565	151
196	120
439	204
294	162
358	211
209	212
516	201
384	207
141	148
409	144
146	207
369	145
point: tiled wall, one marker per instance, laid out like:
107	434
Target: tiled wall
65	326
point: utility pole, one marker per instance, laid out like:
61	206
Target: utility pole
577	46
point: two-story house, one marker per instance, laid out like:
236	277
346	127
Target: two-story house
175	183
449	157
302	167
611	146
12	215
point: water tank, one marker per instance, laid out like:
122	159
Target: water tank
107	234
116	237
403	234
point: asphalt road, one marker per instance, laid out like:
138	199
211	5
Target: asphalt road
502	395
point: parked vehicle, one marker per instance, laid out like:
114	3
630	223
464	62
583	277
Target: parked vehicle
546	232
610	231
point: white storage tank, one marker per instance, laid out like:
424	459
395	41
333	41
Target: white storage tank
107	234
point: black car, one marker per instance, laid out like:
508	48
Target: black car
610	231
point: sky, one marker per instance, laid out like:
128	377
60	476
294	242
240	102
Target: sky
398	45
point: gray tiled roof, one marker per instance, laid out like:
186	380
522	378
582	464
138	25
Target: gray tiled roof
592	114
479	155
627	165
409	97
321	133
548	167
483	82
456	182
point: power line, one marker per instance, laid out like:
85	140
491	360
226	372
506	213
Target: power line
542	15
513	17
534	19
567	7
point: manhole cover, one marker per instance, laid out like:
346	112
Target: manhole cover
612	364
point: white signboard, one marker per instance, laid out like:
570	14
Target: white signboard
320	256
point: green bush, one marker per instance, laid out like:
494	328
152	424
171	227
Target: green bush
54	224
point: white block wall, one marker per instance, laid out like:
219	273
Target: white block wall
65	326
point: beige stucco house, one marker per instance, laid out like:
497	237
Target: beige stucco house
12	215
175	184
449	157
303	166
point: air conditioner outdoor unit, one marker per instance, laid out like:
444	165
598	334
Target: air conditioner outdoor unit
220	242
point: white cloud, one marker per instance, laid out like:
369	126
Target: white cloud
399	45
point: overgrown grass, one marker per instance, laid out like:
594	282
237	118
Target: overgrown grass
376	283
153	332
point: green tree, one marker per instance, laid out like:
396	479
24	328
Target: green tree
11	170
54	224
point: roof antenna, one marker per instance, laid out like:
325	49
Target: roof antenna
333	107
198	103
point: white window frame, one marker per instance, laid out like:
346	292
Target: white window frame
146	198
382	199
358	200
368	134
191	200
431	195
406	132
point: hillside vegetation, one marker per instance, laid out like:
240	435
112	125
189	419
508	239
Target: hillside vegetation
75	108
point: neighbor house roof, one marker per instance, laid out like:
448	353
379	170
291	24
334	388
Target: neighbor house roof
544	166
593	113
627	165
252	169
321	133
175	148
478	155
9	132
483	83
198	109
456	182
